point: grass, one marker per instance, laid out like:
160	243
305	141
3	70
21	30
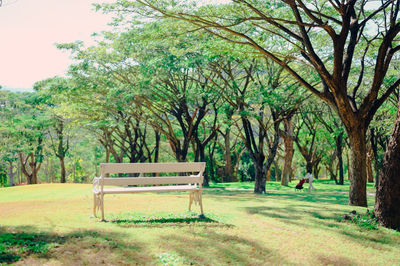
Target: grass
51	224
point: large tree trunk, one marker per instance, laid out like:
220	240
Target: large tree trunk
62	164
288	142
260	178
309	167
387	204
358	168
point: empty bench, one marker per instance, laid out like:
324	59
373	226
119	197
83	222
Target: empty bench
189	178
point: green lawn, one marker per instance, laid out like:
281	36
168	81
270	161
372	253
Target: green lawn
51	224
320	185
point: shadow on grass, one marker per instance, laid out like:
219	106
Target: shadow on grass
322	197
209	247
32	246
381	240
198	221
334	260
288	214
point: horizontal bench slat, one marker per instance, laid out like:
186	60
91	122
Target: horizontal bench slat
112	168
125	181
150	189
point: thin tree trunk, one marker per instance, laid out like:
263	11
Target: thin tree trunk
211	150
277	175
370	176
157	146
228	158
107	155
339	150
388	191
62	164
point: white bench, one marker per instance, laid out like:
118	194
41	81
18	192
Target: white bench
179	183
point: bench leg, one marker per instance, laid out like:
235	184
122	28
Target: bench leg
102	207
191	197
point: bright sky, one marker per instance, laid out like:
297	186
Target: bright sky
30	28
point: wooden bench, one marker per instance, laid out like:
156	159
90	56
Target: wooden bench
181	182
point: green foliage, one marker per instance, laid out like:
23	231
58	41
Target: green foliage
14	246
3	176
169	218
366	220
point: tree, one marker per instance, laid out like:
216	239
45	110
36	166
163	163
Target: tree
388	191
9	103
106	74
247	88
23	131
47	94
335	130
347	43
305	136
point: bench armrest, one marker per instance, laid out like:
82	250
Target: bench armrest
96	185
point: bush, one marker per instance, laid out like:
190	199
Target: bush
367	221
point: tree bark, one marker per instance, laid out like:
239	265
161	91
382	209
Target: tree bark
157	146
388	191
358	168
62	164
339	150
309	166
260	179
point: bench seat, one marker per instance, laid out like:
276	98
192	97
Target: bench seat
121	190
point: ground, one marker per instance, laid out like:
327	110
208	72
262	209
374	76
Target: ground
51	224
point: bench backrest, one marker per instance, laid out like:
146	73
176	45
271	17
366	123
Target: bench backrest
139	168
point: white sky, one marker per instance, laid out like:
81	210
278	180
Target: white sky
30	28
